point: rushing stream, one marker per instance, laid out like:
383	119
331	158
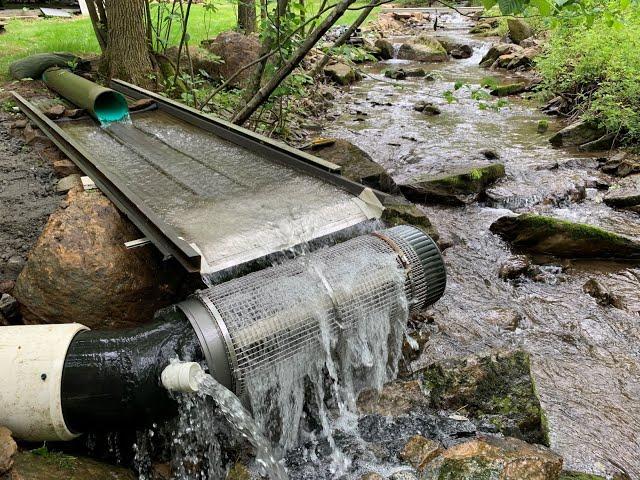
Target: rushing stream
585	357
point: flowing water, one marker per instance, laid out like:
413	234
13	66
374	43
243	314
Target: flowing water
585	357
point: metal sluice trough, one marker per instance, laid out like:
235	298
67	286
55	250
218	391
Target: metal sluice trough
209	193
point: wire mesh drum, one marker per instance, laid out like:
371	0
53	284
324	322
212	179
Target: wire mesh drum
269	316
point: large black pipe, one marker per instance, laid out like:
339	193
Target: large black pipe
112	379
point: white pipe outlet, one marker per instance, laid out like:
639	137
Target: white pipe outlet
182	377
31	362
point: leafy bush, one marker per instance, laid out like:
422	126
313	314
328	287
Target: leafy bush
597	64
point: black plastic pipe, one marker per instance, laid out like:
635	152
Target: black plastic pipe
112	379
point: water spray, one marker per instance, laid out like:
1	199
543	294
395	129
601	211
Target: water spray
59	381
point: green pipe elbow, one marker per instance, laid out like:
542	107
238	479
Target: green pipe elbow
105	105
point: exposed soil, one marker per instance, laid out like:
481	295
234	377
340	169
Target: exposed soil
27	198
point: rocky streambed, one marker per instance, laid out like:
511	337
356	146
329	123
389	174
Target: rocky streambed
578	319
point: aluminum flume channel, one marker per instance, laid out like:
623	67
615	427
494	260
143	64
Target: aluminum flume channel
210	194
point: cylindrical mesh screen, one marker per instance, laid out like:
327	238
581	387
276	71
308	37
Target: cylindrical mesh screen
268	316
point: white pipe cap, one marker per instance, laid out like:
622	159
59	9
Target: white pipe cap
182	377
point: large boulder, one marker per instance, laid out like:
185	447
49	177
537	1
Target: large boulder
455	188
42	464
80	271
357	165
341	73
490	457
455	48
622	164
496	389
561	238
625	194
385	49
577	134
518	30
423	49
235	50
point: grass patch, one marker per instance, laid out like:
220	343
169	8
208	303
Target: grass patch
27	37
600	64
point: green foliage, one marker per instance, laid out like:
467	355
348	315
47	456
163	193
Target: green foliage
599	65
59	459
353	54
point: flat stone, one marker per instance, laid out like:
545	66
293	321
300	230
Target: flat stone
459	187
514	267
601	293
398	211
67	183
576	134
395	398
622	164
625	194
65	167
341	73
141	104
508	89
55	112
423	49
428	108
75	112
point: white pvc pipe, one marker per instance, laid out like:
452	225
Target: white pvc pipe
181	377
31	362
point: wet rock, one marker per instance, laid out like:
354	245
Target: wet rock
561	238
419	451
400	212
395	398
496	388
508	89
14	265
518	30
605	142
411	351
372	476
504	318
55	112
543	126
566	475
625	194
489	154
239	472
235	51
577	134
601	293
454	188
341	73
457	50
514	267
425	49
161	471
356	164
497	50
9	310
622	164
428	108
404	475
19	124
67	183
395	73
75	112
80	271
490	457
415	72
385	49
45	465
8	450
65	167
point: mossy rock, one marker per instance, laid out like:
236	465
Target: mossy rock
56	466
543	126
508	89
342	74
579	476
565	239
423	49
496	388
456	188
495	458
577	134
399	212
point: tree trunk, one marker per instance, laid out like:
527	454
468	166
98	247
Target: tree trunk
247	16
314	37
127	55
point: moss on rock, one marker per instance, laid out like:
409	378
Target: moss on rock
562	238
456	188
508	89
45	465
400	212
497	388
